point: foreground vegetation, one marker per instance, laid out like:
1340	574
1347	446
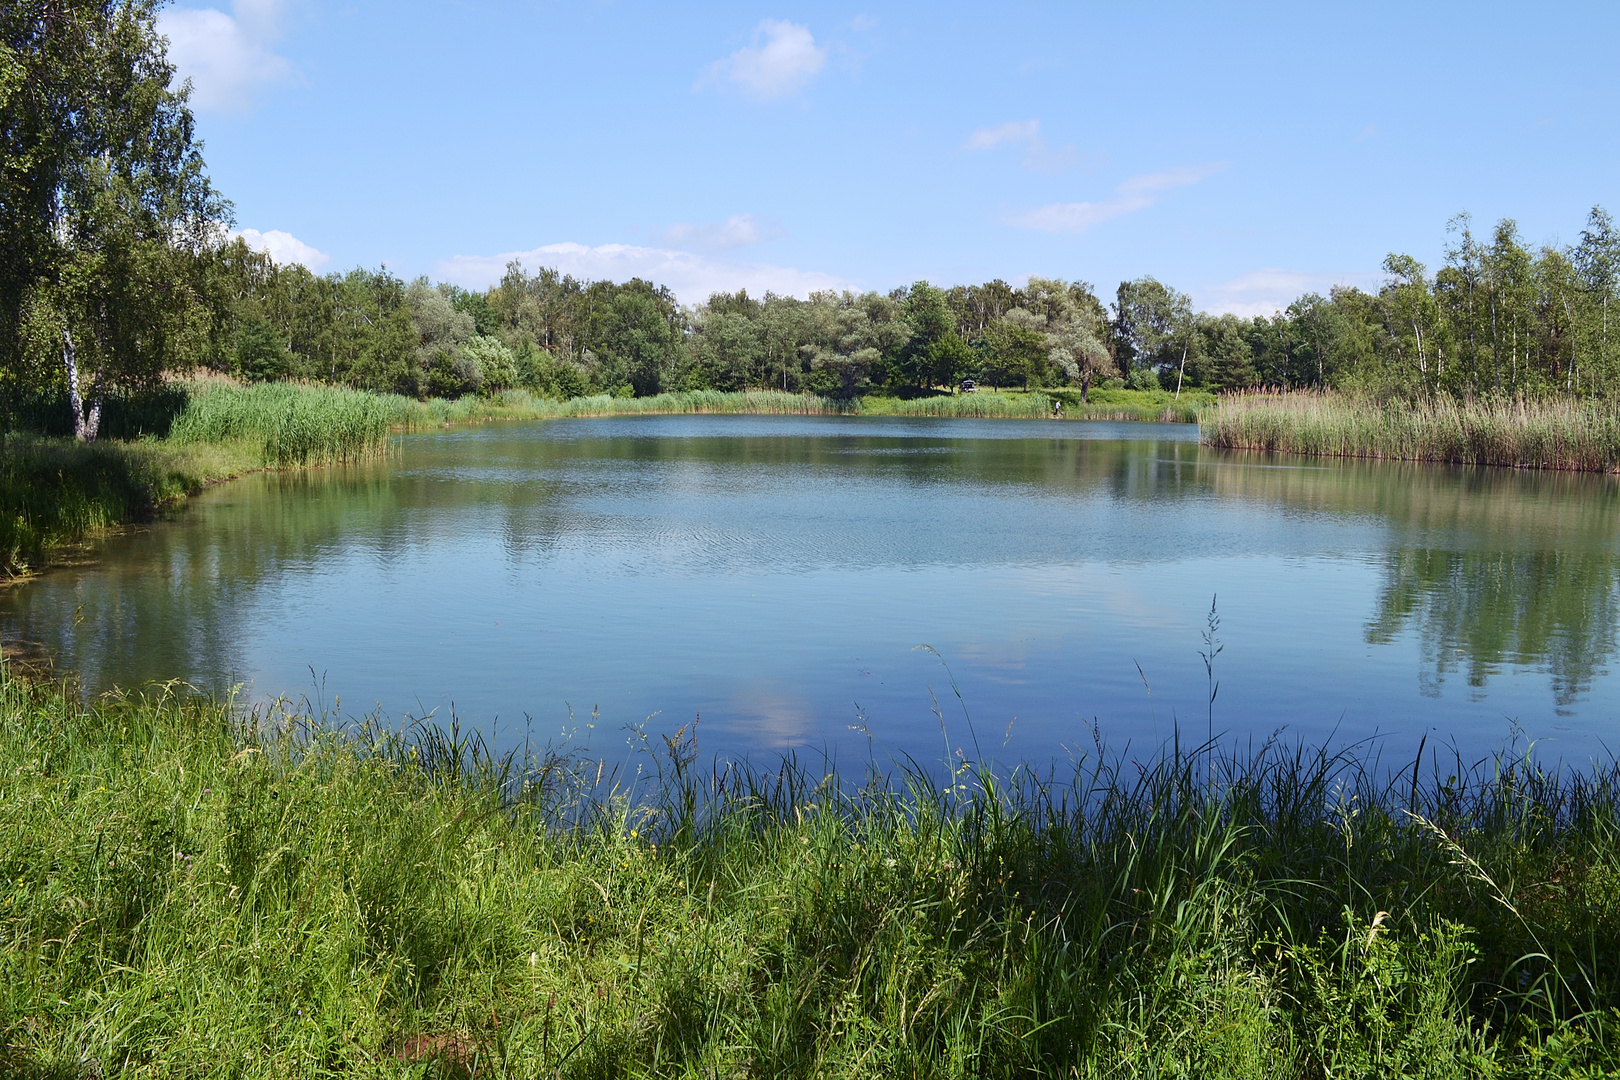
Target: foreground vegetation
190	895
1559	434
56	492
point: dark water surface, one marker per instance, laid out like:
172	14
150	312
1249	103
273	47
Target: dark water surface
777	574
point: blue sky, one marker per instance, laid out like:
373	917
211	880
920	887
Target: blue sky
1244	153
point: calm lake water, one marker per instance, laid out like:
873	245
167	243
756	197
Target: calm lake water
777	576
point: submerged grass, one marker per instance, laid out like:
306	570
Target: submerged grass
1562	434
188	894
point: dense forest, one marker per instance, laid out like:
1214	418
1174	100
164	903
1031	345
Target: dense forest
117	270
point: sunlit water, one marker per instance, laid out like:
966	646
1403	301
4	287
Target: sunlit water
777	576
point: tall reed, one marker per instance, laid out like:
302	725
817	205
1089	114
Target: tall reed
1560	434
190	891
288	424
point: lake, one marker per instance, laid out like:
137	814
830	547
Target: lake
780	577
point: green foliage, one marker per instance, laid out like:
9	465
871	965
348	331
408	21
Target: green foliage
104	204
260	354
496	365
631	335
1142	378
1377	1006
1015	406
1153	324
189	890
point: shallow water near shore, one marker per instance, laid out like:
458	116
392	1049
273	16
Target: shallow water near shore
777	575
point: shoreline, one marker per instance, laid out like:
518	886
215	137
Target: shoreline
232	431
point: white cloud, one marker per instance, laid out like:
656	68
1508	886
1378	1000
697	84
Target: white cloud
691	277
783	58
226	57
1137	193
1025	133
283	247
1013	131
1268	291
739	230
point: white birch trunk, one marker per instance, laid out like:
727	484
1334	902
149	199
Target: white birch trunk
84	427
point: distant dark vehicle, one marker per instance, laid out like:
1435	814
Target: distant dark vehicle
969	386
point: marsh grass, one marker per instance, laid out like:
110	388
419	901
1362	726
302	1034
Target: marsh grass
287	425
55	492
522	405
190	892
1103	404
1562	434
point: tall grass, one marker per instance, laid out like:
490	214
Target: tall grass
1009	406
1561	434
56	492
1152	405
188	894
288	424
1106	405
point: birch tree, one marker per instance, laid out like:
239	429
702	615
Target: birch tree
103	196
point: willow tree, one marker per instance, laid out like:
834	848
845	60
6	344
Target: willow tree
1073	331
104	203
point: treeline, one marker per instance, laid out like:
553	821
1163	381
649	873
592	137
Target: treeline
552	333
1497	318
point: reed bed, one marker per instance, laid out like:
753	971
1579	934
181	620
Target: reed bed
1564	434
291	425
190	892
